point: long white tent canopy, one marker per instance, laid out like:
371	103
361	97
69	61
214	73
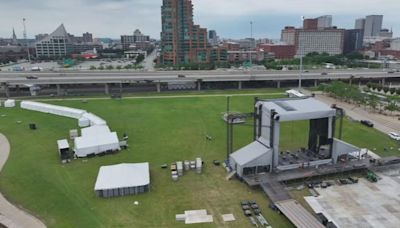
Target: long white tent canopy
95	139
78	114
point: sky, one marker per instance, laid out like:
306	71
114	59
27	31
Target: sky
230	18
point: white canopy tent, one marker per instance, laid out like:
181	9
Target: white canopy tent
84	118
94	120
9	103
123	179
96	140
53	109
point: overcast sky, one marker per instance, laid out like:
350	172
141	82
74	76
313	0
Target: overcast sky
230	18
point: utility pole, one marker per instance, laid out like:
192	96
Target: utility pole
251	38
26	40
301	59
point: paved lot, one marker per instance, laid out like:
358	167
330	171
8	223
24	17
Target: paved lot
381	122
366	204
10	215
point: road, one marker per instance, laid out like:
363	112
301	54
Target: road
89	77
381	122
11	216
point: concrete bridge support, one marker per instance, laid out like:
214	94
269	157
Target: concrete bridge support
278	84
59	90
240	85
158	85
106	89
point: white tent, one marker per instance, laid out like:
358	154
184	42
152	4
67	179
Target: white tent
9	103
84	118
94	120
96	140
122	179
53	109
83	122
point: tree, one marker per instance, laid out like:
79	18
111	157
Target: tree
110	67
139	58
119	67
385	89
101	68
92	67
373	102
391	106
392	90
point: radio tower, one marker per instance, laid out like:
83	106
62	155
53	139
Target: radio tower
26	40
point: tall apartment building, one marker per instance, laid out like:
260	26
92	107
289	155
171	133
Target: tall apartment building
322	41
373	25
353	40
180	37
213	38
137	39
288	35
360	23
321	22
87	37
324	21
57	44
310	23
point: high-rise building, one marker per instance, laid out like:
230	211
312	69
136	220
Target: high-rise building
57	44
373	25
360	23
288	35
180	37
87	37
321	41
137	39
213	38
353	40
310	23
324	21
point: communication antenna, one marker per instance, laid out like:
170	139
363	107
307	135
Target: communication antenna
26	40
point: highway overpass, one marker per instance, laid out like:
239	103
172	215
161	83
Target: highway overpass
12	79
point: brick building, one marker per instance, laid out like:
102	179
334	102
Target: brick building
180	37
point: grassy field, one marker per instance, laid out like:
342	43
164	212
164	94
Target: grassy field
160	131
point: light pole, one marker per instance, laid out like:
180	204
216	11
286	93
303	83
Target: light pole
26	41
251	39
301	57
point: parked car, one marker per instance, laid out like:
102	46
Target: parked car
324	73
367	123
181	76
394	136
31	77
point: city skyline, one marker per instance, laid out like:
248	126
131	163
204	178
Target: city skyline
104	18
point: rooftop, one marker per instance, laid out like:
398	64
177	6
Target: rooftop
122	176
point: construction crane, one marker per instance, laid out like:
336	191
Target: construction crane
26	40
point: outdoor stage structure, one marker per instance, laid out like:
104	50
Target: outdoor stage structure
263	155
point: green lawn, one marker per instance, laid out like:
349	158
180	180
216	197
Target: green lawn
160	131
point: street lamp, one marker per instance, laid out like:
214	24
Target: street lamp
251	40
301	58
26	41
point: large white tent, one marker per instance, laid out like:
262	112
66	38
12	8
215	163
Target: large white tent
53	109
81	115
123	179
96	140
